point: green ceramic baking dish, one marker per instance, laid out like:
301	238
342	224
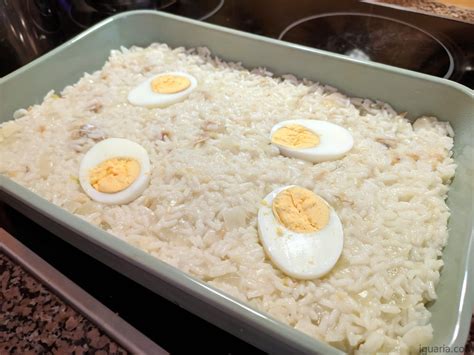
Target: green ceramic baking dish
405	90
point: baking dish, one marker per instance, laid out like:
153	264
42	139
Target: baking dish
406	91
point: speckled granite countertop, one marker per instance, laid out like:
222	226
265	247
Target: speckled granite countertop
436	7
33	320
44	312
470	341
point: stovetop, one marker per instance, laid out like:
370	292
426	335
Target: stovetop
415	41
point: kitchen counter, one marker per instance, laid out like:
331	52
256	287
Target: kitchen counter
458	10
36	320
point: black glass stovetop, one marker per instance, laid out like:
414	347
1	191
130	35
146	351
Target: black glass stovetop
415	41
30	28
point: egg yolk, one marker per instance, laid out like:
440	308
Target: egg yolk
295	136
170	84
114	175
300	210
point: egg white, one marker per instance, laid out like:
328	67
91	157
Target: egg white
109	149
335	141
143	95
303	256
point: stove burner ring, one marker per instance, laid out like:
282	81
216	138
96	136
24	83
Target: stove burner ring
82	15
42	11
196	9
115	6
213	12
359	54
165	6
85	13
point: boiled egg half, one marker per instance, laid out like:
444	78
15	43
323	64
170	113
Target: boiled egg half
312	140
163	90
115	171
300	232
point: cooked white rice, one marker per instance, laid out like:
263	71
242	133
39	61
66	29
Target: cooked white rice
212	165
